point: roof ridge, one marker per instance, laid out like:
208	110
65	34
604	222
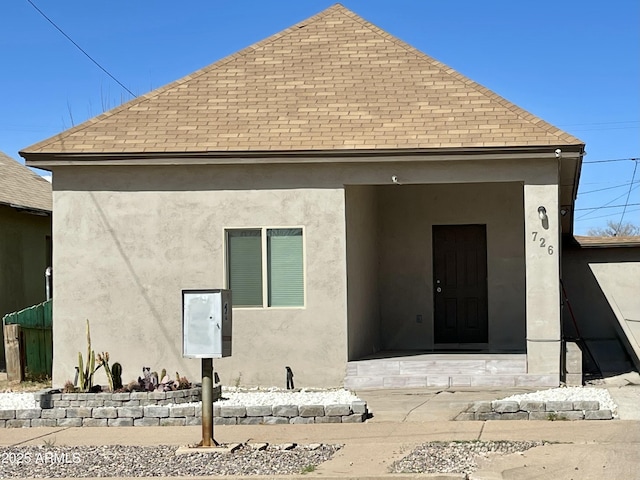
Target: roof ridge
487	92
176	83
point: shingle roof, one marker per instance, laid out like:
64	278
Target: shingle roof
20	186
586	242
333	82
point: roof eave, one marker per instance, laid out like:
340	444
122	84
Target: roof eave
43	212
49	160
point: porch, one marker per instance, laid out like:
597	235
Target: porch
448	285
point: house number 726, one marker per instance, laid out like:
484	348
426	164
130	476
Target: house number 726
543	243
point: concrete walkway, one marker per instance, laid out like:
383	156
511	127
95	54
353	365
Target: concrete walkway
403	419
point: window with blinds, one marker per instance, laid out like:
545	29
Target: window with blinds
244	266
282	249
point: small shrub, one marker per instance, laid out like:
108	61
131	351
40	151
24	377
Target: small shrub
183	383
69	387
308	469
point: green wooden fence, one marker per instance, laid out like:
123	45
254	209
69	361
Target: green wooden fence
36	337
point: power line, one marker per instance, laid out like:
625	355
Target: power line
633	177
607	188
604	216
608	160
603	206
634	127
596	123
608	206
80	48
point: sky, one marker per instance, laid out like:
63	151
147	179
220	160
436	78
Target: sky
574	63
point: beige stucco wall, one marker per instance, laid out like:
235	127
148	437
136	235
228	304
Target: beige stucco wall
123	257
542	254
23	260
362	271
593	314
129	239
406	217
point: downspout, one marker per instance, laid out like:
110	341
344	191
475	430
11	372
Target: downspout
48	275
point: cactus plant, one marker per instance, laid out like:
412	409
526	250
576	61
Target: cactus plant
86	371
116	373
103	361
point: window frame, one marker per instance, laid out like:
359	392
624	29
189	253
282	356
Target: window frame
265	265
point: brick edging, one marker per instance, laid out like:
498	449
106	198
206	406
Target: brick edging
534	410
47	399
179	415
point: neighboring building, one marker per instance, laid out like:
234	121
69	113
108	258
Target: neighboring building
604	311
361	199
25	238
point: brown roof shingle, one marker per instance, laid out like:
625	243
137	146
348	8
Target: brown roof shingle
332	82
21	187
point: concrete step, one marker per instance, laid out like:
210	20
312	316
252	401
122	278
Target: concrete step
443	370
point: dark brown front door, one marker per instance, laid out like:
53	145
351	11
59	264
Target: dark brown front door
460	283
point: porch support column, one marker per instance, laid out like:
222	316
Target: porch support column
542	253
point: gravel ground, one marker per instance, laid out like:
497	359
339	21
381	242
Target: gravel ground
121	461
455	457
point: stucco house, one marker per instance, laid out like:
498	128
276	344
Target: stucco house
381	219
25	238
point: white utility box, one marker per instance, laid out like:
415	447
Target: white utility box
206	323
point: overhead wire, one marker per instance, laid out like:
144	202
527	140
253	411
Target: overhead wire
603	216
633	177
605	205
597	123
608	188
81	49
611	160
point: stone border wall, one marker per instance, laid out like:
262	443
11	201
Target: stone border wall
530	410
178	415
134	399
356	412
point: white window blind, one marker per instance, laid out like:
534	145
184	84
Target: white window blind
285	270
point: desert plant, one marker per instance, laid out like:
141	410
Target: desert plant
85	372
103	361
116	374
69	387
183	383
49	442
133	386
308	469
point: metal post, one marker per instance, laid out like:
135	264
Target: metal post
207	403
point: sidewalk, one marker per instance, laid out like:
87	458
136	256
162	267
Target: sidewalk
403	419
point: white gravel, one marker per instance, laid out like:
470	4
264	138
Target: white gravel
231	396
570	394
274	396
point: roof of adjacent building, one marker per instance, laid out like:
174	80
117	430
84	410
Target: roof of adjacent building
332	82
21	187
603	242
